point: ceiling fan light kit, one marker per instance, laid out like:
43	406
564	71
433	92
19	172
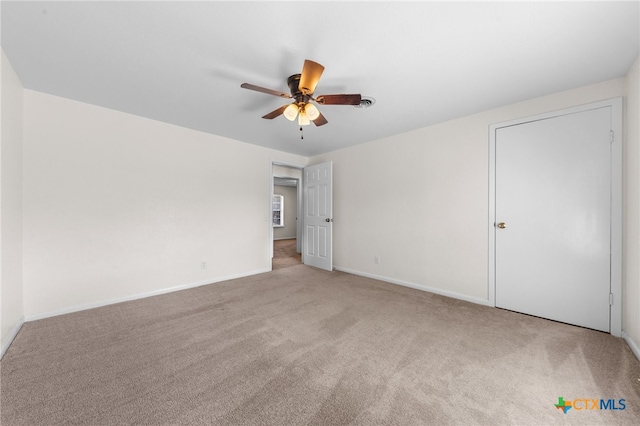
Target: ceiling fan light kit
305	113
302	86
290	112
311	111
303	119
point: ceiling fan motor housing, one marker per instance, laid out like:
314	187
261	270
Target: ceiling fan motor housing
293	83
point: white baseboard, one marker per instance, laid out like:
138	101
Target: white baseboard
101	303
633	345
12	335
417	286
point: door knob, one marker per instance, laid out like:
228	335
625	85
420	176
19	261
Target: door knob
502	225
328	220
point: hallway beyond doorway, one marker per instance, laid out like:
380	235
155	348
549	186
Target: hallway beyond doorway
284	254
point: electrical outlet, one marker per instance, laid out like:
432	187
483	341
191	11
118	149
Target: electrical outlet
376	259
203	265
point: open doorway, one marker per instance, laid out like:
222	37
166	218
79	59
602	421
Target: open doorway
286	196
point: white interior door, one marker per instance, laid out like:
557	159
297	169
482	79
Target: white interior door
318	216
553	218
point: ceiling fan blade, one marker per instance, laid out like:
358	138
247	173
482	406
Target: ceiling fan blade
275	113
339	99
311	72
264	90
320	120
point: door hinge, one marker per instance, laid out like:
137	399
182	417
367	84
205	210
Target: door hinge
611	136
610	299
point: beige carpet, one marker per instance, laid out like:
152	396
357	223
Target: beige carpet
300	346
284	254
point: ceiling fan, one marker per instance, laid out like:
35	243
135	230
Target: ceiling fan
302	87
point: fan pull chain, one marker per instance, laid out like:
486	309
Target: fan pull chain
301	134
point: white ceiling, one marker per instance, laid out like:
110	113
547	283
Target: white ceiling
423	62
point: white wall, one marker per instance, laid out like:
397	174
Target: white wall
11	281
290	212
631	219
419	200
117	206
